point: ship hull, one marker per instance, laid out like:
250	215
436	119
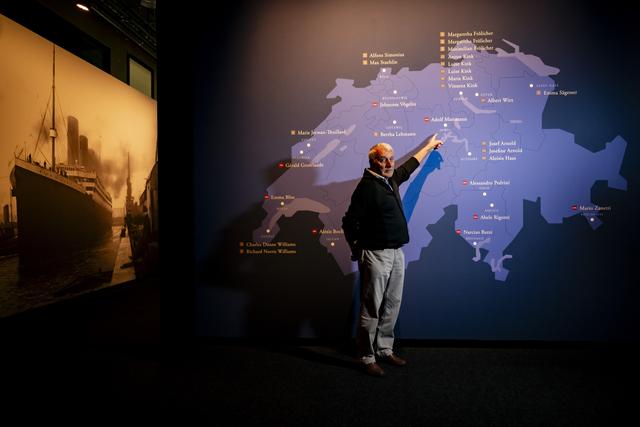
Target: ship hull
54	215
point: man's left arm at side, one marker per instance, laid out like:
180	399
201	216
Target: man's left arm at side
352	220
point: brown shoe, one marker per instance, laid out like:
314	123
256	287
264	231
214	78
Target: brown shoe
373	369
394	360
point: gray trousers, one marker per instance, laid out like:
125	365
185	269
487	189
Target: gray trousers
381	282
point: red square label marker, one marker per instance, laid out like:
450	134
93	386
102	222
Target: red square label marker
281	165
458	231
465	182
266	197
574	207
374	104
314	231
426	119
475	216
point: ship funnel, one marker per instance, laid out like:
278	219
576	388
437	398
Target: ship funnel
84	151
73	147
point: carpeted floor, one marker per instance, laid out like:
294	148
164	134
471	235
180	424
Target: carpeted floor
320	385
103	360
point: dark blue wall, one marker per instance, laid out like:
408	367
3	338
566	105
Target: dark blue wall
260	71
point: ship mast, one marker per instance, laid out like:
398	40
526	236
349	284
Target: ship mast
129	200
52	132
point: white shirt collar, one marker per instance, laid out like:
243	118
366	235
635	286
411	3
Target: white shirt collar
377	175
383	178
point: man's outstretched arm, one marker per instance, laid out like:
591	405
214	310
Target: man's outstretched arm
430	144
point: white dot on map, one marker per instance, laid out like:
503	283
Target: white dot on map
477	94
491	205
469	153
301	151
445	125
592	219
384	70
281	203
460	93
530	84
333	243
484	194
308	144
268	231
394	122
475	243
395	92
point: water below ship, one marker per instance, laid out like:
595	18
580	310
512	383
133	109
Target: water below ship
57	277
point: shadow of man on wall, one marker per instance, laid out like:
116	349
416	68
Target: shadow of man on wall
291	291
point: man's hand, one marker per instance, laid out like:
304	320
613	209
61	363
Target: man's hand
429	144
356	252
433	143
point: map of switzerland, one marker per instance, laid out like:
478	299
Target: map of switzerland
487	108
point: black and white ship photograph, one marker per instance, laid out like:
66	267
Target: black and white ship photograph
78	175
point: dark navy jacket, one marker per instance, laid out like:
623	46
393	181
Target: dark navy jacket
375	219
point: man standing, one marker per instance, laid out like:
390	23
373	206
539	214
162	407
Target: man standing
375	228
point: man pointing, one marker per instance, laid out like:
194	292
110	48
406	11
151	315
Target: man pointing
375	228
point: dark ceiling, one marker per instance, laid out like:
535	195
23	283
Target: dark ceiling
135	19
